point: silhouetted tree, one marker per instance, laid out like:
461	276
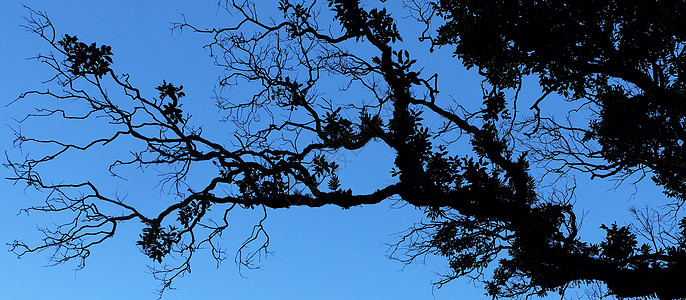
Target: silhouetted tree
622	61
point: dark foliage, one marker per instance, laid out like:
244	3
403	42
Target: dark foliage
624	60
83	59
627	59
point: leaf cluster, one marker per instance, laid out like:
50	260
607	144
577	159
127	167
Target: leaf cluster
85	59
172	110
156	241
358	22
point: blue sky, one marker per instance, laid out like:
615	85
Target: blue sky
324	253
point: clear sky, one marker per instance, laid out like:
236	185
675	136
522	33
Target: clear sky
324	253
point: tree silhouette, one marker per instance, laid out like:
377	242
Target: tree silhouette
623	61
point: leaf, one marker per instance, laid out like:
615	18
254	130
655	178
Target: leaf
334	183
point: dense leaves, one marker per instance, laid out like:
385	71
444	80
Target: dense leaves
619	243
172	109
626	57
358	22
567	43
157	241
84	59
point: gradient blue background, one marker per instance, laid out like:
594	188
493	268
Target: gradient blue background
324	253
